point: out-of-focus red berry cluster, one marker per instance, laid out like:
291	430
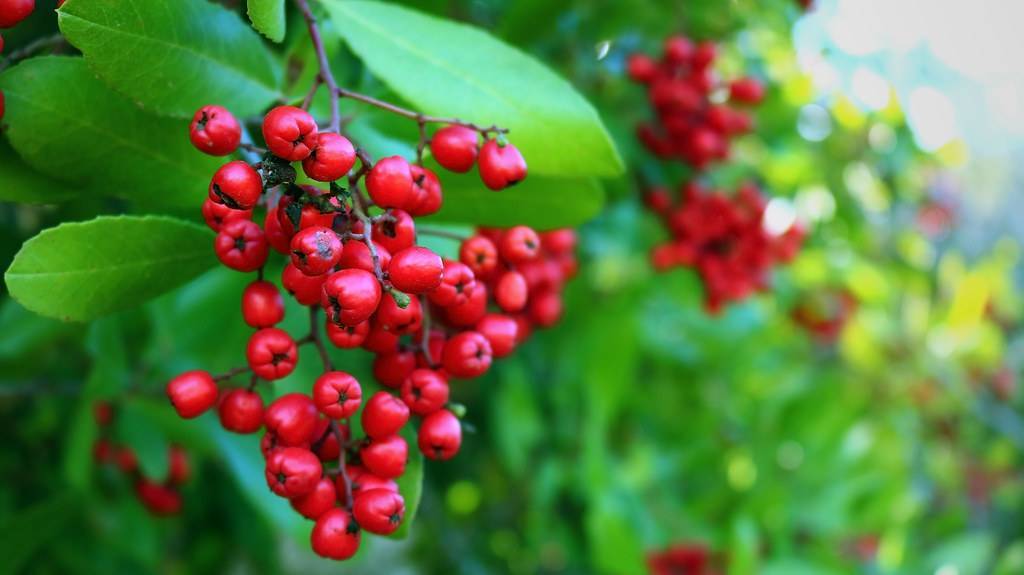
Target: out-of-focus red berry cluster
682	559
159	496
724	238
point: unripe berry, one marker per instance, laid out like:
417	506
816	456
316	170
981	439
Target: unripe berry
415	270
501	166
337	394
241	411
391	369
214	131
271	353
292	419
519	244
237	185
292	471
457	283
331	158
307	290
425	391
384	415
335	535
241	245
347	336
350	296
216	215
316	250
14	11
379	511
467	355
290	133
501	332
192	393
390	183
262	305
385	457
440	435
318	501
158	499
480	255
511	291
455	148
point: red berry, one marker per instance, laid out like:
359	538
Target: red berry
395	233
560	241
379	511
335	535
325	442
391	369
470	312
315	250
318	501
380	340
307	290
435	345
384	415
309	214
192	393
519	244
501	166
457	283
455	147
262	305
292	471
347	336
178	469
390	183
425	391
360	479
241	245
272	353
292	419
214	131
350	296
241	411
102	452
415	270
511	292
337	394
385	457
103	413
746	91
237	185
356	255
480	255
331	158
217	214
426	192
641	68
278	239
440	435
14	11
398	320
467	355
290	133
704	54
501	332
678	49
159	499
545	308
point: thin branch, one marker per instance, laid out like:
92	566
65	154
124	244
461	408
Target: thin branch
308	100
231	373
416	116
325	66
314	337
31	48
341	463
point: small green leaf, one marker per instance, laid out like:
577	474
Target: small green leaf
134	429
267	16
96	138
410	485
449	69
83	270
174	57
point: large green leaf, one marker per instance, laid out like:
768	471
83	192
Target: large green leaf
450	69
174	57
96	138
268	17
23	184
83	270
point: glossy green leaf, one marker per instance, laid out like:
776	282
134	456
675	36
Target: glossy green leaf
173	57
83	270
137	431
25	185
93	137
268	17
450	69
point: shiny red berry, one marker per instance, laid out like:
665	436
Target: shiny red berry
396	232
192	393
292	471
678	49
236	185
545	308
399	320
425	391
292	419
216	214
290	133
278	239
380	340
332	157
455	148
641	68
385	457
347	336
501	332
468	313
384	415
315	250
415	270
467	355
337	394
241	411
519	244
318	501
511	291
262	305
307	290
271	353
379	511
360	479
214	131
391	369
480	255
440	435
350	296
746	91
241	245
335	535
426	195
390	183
501	166
357	255
457	283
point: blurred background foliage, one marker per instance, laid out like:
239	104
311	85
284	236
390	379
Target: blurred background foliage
639	421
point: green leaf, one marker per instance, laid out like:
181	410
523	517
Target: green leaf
23	184
410	485
83	270
174	57
93	137
450	69
268	17
25	532
134	429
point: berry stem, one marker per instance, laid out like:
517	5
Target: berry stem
308	100
314	337
421	119
54	41
336	429
231	373
326	76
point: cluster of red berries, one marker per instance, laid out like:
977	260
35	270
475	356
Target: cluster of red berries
682	559
161	497
823	313
357	258
724	238
688	125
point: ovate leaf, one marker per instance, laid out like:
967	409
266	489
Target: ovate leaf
450	69
268	17
83	270
92	137
173	57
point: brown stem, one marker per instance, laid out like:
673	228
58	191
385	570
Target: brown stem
341	463
231	373
413	115
252	148
325	66
314	337
425	338
31	48
308	100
